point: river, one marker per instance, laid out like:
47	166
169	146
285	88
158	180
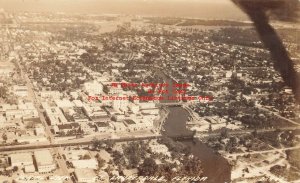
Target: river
216	168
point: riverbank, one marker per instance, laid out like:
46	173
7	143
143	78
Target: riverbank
215	167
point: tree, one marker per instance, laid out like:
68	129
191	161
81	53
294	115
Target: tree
97	144
192	167
109	144
210	128
86	156
101	162
118	158
254	133
148	167
224	133
15	169
4	137
11	100
3	92
166	170
134	152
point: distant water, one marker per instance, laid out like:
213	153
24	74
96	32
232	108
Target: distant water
203	9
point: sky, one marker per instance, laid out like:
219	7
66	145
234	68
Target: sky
213	9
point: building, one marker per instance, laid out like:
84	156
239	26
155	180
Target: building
135	125
120	104
85	163
31	139
119	127
87	128
66	128
114	90
55	116
5	107
50	94
29	111
150	111
29	168
103	127
21	159
13	114
20	90
74	95
85	175
65	103
6	69
134	108
44	161
75	154
2	120
78	103
118	117
93	88
147	105
23	110
39	131
94	110
132	125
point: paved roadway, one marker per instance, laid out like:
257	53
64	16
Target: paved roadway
243	132
264	151
37	103
277	115
89	142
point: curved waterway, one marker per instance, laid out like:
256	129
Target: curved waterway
216	168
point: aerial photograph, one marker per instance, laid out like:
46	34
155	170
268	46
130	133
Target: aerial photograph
149	91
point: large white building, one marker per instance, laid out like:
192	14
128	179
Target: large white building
51	94
31	139
120	104
85	163
93	88
93	110
20	91
65	103
23	110
6	69
103	127
147	105
135	125
55	115
14	113
85	175
134	108
21	159
44	161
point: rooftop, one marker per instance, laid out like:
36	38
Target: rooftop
20	157
102	124
129	122
43	157
85	173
